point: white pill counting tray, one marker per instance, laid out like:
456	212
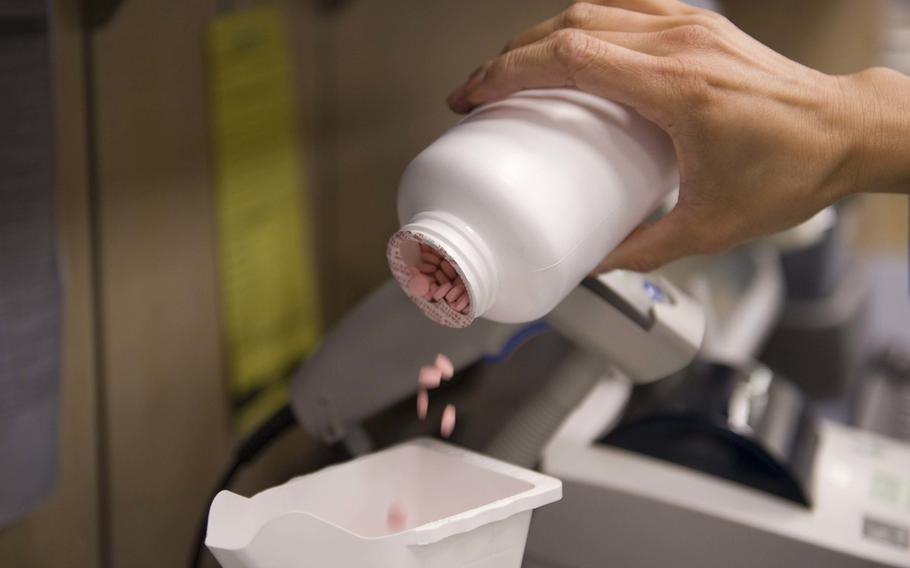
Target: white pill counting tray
461	509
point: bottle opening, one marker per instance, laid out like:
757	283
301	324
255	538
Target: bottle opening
432	278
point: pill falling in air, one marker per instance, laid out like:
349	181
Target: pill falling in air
444	364
448	421
423	404
429	377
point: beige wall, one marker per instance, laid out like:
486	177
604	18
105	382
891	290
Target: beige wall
835	36
166	417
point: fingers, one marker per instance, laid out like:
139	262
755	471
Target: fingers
651	246
648	43
591	17
569	58
655	7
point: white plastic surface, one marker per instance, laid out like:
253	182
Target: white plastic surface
528	194
857	475
461	510
644	354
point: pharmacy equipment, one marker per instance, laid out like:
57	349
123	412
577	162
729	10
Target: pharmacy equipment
525	196
634	505
462	509
642	324
331	398
805	490
769	486
723	464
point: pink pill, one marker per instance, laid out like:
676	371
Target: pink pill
423	403
397	517
441	277
455	293
445	366
448	269
425	248
429	377
426	268
418	285
462	303
448	421
431	258
442	290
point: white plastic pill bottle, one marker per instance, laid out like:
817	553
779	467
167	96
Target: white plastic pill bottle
525	196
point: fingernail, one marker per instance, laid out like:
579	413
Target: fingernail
458	100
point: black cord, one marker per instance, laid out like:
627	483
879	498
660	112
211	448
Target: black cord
246	451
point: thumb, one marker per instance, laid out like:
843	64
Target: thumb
649	247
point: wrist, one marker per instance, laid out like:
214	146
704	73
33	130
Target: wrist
878	127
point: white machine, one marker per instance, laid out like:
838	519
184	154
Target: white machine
846	504
725	464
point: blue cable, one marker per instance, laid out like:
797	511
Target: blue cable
517	339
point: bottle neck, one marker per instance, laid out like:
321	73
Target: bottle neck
469	255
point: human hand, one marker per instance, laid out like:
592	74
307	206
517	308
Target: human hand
762	142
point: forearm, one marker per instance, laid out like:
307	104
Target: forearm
881	131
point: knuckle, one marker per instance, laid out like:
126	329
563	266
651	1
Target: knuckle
573	48
578	15
881	73
714	17
707	18
692	35
499	67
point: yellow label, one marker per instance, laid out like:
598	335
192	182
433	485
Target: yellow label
267	273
